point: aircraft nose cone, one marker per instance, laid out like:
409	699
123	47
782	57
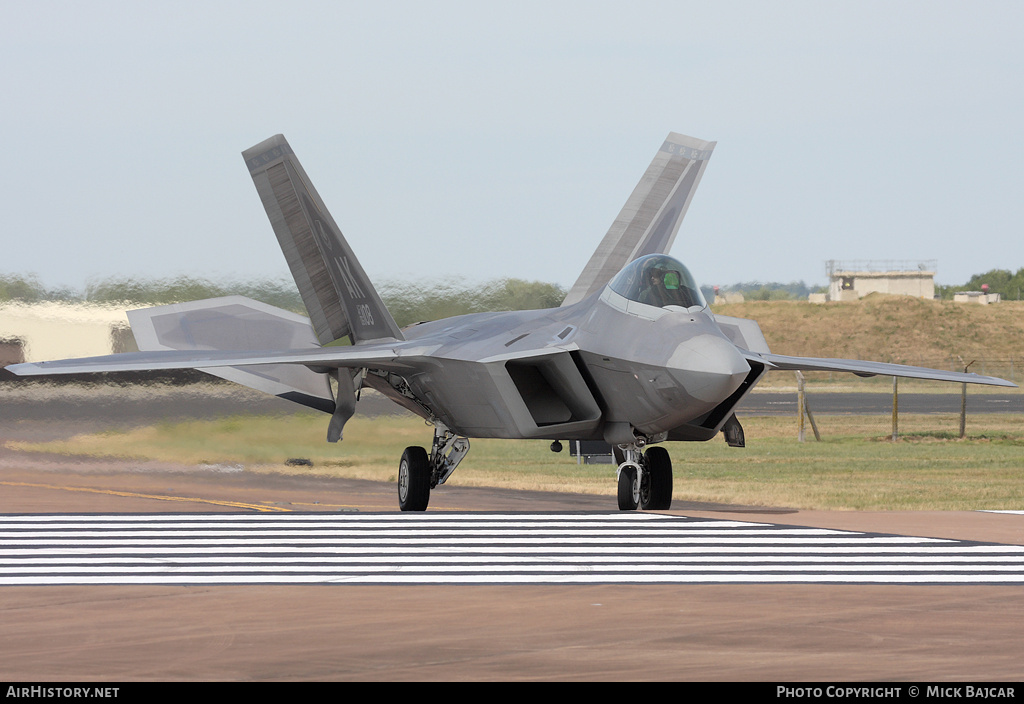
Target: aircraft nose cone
710	367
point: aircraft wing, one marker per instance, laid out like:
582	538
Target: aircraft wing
381	356
375	356
651	217
862	368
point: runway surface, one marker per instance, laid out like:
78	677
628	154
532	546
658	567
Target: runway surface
477	548
175	626
336	628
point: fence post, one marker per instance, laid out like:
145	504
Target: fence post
963	403
895	408
810	418
799	407
963	409
803	408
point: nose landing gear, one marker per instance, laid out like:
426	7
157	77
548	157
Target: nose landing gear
645	480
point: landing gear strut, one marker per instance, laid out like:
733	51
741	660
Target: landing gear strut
418	472
645	480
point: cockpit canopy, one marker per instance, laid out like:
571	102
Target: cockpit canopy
658	280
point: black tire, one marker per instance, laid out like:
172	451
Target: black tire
414	480
658	494
627	502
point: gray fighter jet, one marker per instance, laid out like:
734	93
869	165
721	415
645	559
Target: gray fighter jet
633	357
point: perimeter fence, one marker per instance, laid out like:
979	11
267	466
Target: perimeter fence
823	405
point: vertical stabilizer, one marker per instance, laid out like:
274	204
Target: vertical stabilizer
336	291
650	219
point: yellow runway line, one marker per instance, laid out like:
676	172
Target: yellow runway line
128	494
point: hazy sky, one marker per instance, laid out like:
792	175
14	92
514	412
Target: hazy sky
476	140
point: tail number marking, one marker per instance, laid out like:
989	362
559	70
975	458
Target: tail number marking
365	316
342	266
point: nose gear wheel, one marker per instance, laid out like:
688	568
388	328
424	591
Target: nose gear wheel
645	480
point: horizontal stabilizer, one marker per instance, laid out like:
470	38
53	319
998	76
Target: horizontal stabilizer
649	221
860	368
240	324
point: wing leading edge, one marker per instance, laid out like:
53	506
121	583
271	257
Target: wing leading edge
862	368
321	358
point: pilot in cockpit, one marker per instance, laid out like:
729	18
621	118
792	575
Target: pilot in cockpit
653	292
657	280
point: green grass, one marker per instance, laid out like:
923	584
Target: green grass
856	466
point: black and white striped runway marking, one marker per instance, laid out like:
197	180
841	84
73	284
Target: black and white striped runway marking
438	548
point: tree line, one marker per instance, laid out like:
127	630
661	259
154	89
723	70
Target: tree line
766	291
409	302
1007	284
416	301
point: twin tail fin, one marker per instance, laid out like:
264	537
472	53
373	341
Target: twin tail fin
339	297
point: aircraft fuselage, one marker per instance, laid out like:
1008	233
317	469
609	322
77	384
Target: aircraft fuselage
600	369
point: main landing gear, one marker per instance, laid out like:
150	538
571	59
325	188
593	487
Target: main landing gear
419	472
645	478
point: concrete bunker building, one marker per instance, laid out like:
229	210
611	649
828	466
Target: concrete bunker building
850	280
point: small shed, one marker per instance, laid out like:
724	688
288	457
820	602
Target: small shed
979	297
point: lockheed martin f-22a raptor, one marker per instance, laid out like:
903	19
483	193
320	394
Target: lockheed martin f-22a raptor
633	357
